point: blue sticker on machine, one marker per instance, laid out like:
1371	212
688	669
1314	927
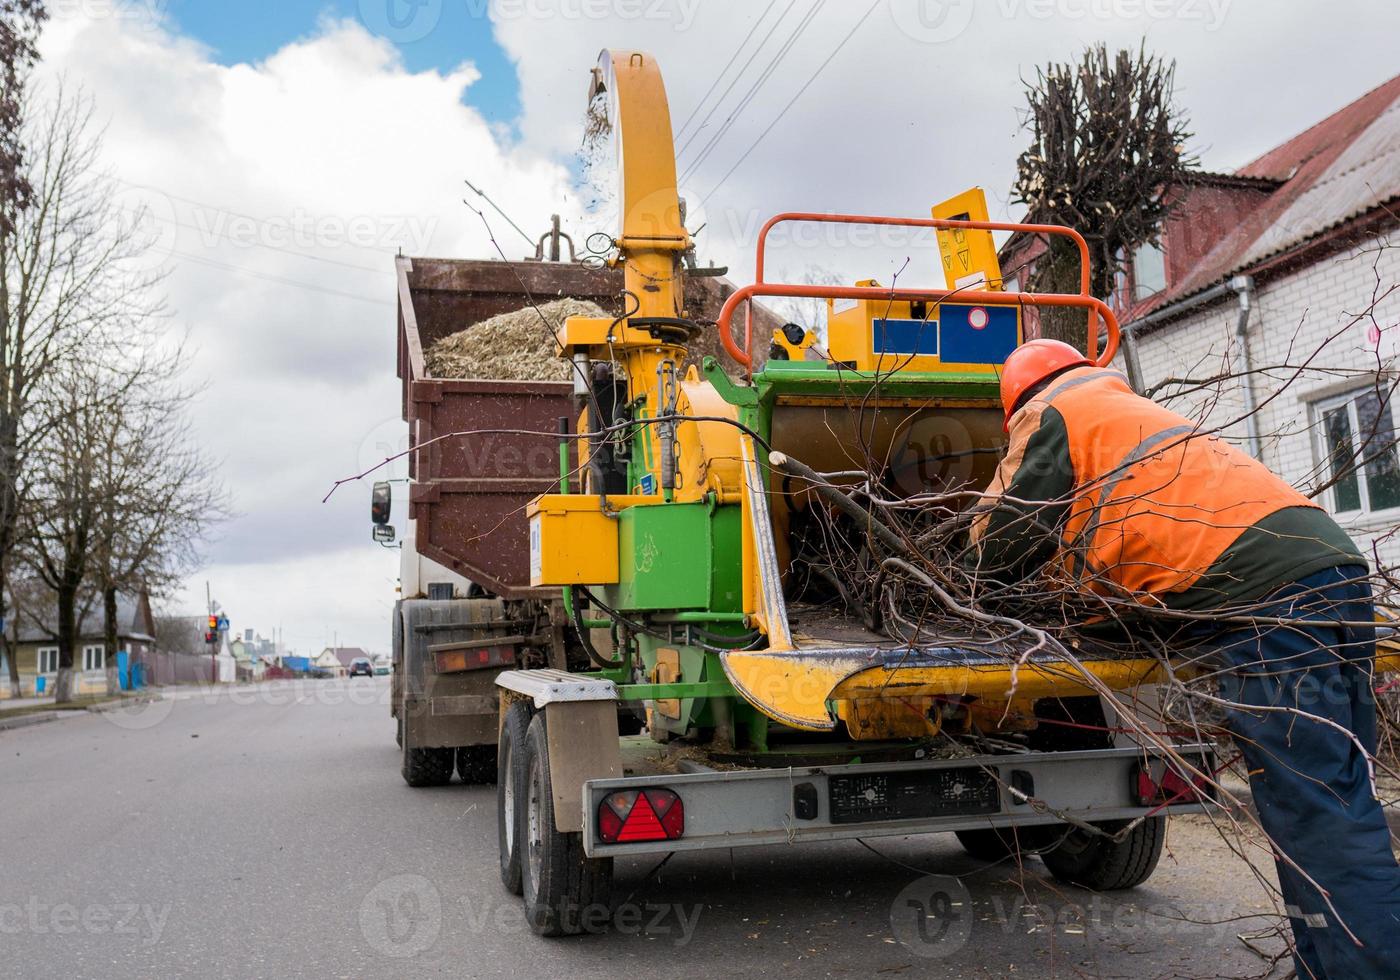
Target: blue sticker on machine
976	334
906	336
648	484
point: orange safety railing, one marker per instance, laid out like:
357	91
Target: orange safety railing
760	287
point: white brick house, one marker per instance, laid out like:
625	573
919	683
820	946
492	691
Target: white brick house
1297	254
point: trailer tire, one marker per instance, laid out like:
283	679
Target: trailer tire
398	732
510	791
427	767
1104	865
476	764
565	891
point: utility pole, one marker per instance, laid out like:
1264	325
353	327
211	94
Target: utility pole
214	643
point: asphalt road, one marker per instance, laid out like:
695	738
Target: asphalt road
266	833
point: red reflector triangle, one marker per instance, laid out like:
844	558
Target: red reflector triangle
642	823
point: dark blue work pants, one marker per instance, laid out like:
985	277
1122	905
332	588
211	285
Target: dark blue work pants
1310	781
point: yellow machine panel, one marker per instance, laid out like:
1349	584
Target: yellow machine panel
572	542
892	335
969	255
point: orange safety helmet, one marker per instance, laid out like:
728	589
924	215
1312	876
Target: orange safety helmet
1032	363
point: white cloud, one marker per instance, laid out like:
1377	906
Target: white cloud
281	192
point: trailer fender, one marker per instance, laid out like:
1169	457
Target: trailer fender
581	727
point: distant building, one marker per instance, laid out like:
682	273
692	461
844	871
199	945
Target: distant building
253	654
33	641
338	659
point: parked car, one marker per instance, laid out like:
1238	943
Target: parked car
382	668
361	666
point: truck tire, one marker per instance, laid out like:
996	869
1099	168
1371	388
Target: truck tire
476	764
427	767
565	891
398	732
510	789
996	843
1103	865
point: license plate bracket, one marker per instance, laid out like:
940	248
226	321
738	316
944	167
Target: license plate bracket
912	795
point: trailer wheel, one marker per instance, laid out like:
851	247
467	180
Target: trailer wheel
997	843
427	767
565	891
398	732
1101	864
476	764
510	790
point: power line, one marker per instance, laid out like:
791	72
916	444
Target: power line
735	80
482	194
297	253
732	58
754	90
769	128
223	210
254	273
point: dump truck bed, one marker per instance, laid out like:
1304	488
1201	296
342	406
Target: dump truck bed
468	494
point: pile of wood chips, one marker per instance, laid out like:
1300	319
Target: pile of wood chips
517	346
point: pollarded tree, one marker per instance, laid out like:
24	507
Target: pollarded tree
1107	145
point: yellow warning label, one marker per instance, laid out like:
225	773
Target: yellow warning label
969	255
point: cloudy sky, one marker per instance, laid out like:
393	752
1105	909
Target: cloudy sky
288	148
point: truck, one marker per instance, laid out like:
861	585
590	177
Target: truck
466	609
608	614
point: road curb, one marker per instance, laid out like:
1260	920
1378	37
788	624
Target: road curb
120	703
23	721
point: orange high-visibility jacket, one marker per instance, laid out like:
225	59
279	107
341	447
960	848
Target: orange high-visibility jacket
1120	495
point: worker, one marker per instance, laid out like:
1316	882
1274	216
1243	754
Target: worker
1132	506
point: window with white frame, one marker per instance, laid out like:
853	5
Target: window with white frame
48	660
94	657
1356	432
1149	271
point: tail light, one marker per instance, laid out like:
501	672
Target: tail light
640	815
1160	784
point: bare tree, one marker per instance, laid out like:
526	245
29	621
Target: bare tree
159	494
180	634
19	28
809	314
72	292
1106	148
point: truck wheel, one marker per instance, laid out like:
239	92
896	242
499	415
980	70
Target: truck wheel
476	764
1101	864
427	767
565	891
398	732
510	789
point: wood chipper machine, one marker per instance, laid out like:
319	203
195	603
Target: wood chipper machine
677	543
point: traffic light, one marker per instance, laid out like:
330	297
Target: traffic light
213	624
211	637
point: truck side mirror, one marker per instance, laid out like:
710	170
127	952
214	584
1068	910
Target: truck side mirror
380	501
